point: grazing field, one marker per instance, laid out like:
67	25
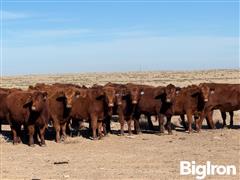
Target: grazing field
145	156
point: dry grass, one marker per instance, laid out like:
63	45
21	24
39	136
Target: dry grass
156	78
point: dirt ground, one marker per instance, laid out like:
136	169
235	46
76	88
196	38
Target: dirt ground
145	156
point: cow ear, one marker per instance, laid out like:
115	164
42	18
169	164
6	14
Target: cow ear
178	90
100	94
159	93
212	91
28	101
45	94
60	95
31	87
77	94
195	92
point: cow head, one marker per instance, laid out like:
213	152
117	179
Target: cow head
36	100
136	93
171	92
121	94
206	91
110	93
71	94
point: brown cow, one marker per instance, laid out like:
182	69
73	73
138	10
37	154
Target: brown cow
120	96
3	109
57	108
111	102
188	100
135	91
167	99
149	106
29	109
90	108
4	92
225	97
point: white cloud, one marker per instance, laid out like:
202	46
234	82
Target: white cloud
9	15
57	32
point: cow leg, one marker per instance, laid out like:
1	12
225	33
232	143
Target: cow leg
80	127
108	124
42	134
94	125
129	123
199	122
208	114
121	121
31	131
169	128
57	129
231	119
210	120
137	126
161	123
0	126
64	135
189	118
100	134
224	115
183	121
14	132
19	133
150	124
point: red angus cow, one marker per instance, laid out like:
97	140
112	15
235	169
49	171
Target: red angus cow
225	97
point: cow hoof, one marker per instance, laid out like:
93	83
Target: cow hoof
160	133
43	145
94	138
63	138
170	133
121	134
31	145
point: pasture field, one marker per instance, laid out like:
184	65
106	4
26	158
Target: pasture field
144	156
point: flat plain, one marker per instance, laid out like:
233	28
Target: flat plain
145	156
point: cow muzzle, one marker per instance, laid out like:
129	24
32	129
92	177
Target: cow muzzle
168	100
69	106
134	102
110	105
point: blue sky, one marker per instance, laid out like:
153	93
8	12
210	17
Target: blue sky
67	37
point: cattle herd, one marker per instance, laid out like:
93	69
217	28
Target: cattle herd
67	106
